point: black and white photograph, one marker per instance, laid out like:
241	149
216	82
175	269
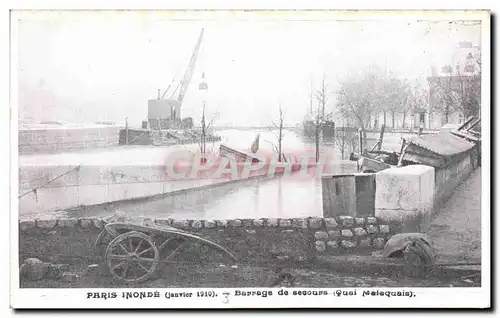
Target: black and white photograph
257	159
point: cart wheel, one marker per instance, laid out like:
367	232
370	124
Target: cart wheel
103	239
132	257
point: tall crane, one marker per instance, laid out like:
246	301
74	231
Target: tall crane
184	83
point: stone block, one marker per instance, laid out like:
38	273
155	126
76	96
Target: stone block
378	243
332	244
196	224
365	243
346	220
330	223
222	223
235	223
181	224
46	223
299	223
359	231
320	246
315	223
384	228
360	221
347	233
247	222
348	244
258	222
67	222
320	235
24	225
209	224
372	228
287	231
371	220
251	231
404	193
334	233
272	222
285	223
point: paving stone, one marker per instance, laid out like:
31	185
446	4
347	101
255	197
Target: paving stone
288	231
235	223
285	223
316	223
272	222
360	221
220	231
332	244
46	224
251	231
222	223
299	223
67	222
320	246
359	231
348	244
365	243
378	243
346	220
372	229
371	220
347	233
209	224
384	228
258	222
334	233
196	224
330	223
320	235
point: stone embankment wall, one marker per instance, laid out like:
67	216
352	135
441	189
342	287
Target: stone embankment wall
91	185
253	241
409	195
60	139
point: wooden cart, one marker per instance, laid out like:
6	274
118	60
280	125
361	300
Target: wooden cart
133	252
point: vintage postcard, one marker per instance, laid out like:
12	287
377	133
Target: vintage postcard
250	159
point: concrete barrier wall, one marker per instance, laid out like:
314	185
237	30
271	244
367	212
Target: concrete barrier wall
405	195
55	139
252	240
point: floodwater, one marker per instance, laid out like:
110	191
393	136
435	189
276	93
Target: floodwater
284	197
288	196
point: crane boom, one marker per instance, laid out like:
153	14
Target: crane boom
189	72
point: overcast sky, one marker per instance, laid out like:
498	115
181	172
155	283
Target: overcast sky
90	66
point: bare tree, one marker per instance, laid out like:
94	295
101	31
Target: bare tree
345	139
279	126
321	118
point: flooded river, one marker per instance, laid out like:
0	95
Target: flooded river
287	196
